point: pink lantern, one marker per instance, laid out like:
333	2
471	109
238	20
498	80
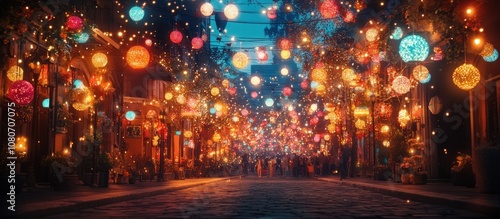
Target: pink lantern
285	44
262	56
176	36
254	94
304	84
196	43
314	121
148	42
271	14
328	9
21	92
317	137
74	22
244	112
287	91
231	90
349	17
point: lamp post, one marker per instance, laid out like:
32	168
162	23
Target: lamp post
373	99
162	118
36	68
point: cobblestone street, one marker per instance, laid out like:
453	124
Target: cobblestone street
252	197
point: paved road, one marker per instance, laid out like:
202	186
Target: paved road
253	197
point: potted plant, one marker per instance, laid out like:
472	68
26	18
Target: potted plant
62	167
104	164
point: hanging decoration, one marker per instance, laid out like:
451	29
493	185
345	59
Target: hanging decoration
328	9
426	80
371	34
466	77
420	72
240	60
318	75
46	103
487	50
401	84
255	80
214	91
285	54
271	13
176	36
81	37
435	105
99	60
231	11
491	58
287	91
269	102
136	13
21	92
206	9
82	98
130	115
168	96
348	75
413	48
403	117
15	73
284	71
285	44
196	43
74	22
397	34
137	57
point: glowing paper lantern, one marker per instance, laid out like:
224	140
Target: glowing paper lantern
435	105
271	14
318	75
254	94
413	48
81	37
262	56
168	96
426	80
287	91
401	84
284	71
493	57
285	54
74	22
304	84
371	34
397	34
148	42
317	138
188	134
214	91
269	102
46	103
21	92
361	111
176	36
231	90
225	83
78	84
466	76
213	110
285	44
181	99
255	80
348	75
328	9
360	124
403	117
206	9
99	60
216	137
349	17
420	72
136	13
137	57
487	50
327	137
231	11
240	60
130	115
196	43
244	112
15	73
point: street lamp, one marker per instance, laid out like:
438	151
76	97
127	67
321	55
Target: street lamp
35	68
162	117
373	98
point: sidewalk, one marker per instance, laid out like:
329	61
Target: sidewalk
43	201
434	192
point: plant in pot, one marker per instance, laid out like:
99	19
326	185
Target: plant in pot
104	164
62	168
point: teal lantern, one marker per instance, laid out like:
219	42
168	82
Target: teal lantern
81	37
269	102
177	133
46	103
491	58
213	110
426	80
413	48
397	34
136	13
130	115
78	84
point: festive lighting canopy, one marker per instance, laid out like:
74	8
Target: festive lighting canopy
466	77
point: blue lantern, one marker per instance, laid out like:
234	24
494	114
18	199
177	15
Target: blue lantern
46	103
426	80
413	48
491	58
213	110
78	84
130	115
397	34
136	13
177	132
81	38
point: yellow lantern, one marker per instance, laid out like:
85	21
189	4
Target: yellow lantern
284	71
207	9
371	34
487	50
420	72
15	73
214	91
360	124
403	117
285	54
231	11
321	89
216	137
240	60
348	75
99	60
188	134
318	75
331	128
384	129
327	137
361	111
255	80
225	83
401	84
466	76
168	96
137	57
181	99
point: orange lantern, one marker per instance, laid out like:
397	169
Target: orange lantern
137	57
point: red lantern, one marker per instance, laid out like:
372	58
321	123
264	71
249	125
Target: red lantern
262	56
349	17
176	36
196	43
271	14
254	94
328	9
285	44
232	90
74	22
137	57
287	91
244	112
304	84
21	92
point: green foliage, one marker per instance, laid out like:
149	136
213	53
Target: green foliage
104	162
60	162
